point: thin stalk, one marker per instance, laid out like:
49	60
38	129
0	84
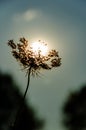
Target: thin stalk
28	82
21	103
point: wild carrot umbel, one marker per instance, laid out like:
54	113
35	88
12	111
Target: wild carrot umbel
32	58
24	53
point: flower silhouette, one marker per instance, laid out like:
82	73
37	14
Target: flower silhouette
33	60
24	53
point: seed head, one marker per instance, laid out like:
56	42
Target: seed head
29	59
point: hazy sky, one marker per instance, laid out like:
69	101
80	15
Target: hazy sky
62	25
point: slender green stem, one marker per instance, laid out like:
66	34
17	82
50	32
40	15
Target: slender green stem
28	82
21	103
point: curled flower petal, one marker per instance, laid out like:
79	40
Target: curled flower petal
56	62
12	44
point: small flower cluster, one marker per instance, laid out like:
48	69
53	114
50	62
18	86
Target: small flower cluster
28	59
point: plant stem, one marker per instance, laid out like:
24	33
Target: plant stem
21	103
28	82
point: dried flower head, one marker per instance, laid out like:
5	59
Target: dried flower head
32	57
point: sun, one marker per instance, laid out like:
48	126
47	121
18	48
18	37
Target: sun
39	47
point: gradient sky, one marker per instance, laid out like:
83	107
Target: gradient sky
62	25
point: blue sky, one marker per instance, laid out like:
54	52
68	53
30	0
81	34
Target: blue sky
62	25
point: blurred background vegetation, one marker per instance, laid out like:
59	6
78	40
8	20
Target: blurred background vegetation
74	110
10	98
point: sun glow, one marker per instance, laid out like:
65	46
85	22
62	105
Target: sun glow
39	48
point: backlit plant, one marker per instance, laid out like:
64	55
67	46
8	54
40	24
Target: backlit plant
34	57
